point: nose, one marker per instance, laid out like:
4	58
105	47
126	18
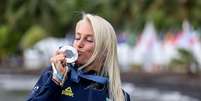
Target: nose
80	43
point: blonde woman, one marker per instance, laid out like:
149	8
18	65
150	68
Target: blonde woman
95	74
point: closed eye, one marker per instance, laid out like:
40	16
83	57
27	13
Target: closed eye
90	39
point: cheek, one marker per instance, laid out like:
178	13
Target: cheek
90	48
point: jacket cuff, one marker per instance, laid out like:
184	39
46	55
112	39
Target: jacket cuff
52	86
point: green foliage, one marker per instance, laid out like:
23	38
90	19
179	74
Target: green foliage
3	38
33	35
186	62
57	17
3	35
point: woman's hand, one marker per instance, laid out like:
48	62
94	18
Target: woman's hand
59	68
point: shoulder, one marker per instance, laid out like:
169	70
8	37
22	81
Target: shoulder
47	69
45	75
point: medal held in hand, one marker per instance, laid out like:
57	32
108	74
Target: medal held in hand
70	53
71	56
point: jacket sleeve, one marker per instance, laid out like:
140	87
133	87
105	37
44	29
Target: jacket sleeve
45	89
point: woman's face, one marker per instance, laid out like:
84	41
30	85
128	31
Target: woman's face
84	42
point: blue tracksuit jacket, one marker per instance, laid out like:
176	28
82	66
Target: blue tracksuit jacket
86	90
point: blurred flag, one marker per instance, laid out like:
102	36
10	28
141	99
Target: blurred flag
148	50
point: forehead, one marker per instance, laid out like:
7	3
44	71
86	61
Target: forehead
84	27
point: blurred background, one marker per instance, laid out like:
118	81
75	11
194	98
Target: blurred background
159	44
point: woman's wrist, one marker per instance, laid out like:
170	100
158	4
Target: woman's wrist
55	81
59	74
59	79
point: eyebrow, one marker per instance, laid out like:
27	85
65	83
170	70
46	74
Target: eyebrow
88	35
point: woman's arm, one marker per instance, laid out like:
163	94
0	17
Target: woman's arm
45	89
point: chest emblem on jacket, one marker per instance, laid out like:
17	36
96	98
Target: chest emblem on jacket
68	92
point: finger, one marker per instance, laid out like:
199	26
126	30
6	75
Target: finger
57	52
58	57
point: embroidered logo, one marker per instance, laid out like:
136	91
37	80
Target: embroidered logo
35	89
67	92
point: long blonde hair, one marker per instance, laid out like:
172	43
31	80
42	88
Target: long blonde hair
105	53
